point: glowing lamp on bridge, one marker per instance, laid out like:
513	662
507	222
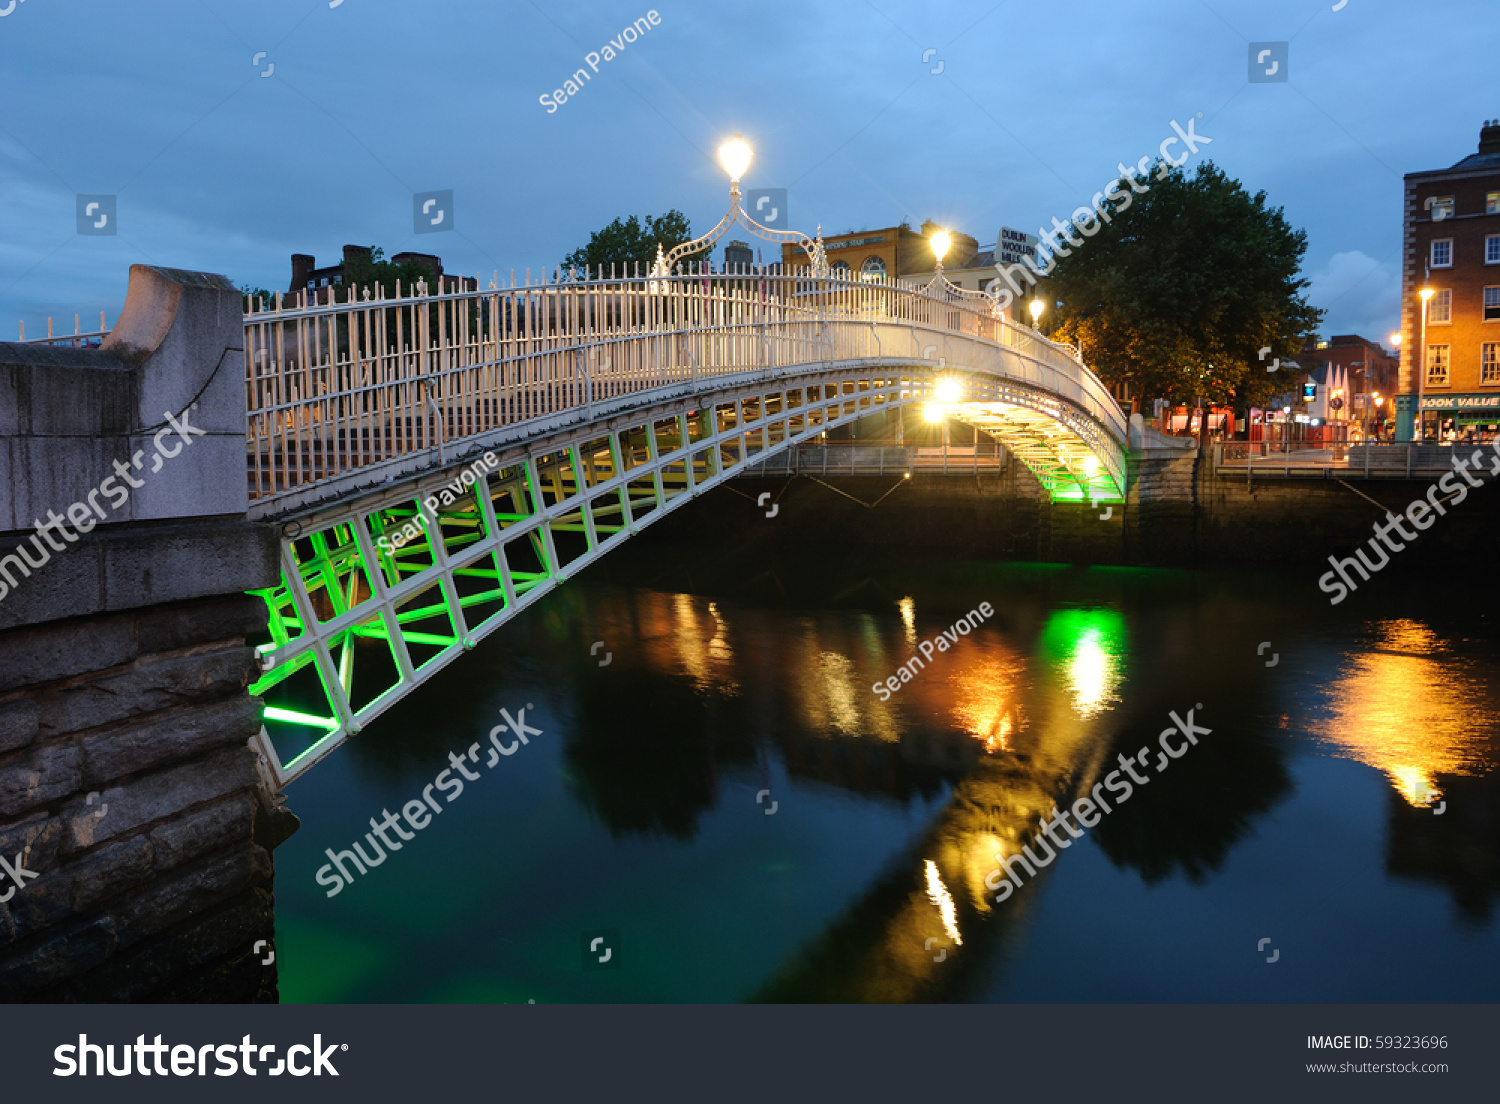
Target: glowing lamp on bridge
934	413
940	243
735	156
1037	306
1395	341
949	390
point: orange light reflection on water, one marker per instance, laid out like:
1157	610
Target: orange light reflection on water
1406	709
985	688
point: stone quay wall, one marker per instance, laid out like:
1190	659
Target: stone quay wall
1180	511
133	812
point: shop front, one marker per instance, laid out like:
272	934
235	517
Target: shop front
1449	418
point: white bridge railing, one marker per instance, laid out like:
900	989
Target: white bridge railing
339	386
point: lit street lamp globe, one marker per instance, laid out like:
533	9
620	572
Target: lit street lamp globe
940	243
734	156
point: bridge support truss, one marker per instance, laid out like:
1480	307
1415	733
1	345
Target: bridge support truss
1068	452
379	595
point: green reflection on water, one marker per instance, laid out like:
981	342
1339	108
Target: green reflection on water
1087	649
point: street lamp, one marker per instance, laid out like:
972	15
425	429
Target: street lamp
1362	392
1395	344
940	243
935	413
1421	358
1036	306
735	156
948	390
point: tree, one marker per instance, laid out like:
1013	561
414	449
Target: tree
360	273
257	296
1177	293
632	241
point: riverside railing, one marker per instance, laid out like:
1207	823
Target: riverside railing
334	387
1382	461
77	339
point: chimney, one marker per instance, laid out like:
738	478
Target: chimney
302	270
361	252
1489	136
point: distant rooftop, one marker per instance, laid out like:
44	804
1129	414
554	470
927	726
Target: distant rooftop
1488	156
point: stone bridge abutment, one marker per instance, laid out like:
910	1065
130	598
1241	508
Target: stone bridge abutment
132	810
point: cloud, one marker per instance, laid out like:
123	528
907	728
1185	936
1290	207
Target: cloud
1359	294
217	168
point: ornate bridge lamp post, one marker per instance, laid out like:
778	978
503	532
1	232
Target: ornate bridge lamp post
1036	306
735	156
944	290
941	242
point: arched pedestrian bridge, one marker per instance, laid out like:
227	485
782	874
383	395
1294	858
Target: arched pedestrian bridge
439	462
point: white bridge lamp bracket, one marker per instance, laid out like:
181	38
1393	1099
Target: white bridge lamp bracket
734	156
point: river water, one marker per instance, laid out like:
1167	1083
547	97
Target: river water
725	811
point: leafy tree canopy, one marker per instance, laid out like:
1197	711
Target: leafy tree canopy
632	241
360	273
1178	294
255	295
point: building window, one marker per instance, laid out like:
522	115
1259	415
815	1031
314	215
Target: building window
1492	249
1492	203
1440	307
1492	304
1442	208
1442	253
840	267
872	269
1489	362
1437	365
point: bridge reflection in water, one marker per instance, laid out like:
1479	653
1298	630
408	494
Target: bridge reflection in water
1016	720
638	809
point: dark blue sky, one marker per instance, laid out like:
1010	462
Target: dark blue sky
218	168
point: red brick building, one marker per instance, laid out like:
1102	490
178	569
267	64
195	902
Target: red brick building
1451	245
1366	370
307	275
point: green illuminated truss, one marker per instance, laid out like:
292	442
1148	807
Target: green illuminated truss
489	551
1072	458
349	585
